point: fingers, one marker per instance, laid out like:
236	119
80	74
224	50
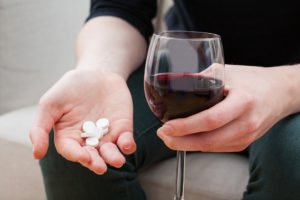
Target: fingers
126	143
232	107
39	133
111	155
87	156
121	133
71	150
96	163
234	137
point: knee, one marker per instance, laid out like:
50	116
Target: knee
282	154
275	162
285	145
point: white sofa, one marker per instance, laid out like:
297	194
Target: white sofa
36	48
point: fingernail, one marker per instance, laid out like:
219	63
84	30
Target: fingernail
34	154
127	147
126	144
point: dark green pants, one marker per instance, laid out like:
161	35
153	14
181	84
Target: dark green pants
274	162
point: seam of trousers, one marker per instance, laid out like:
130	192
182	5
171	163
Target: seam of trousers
147	129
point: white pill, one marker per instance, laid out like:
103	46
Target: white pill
104	131
92	141
102	123
85	135
99	133
89	127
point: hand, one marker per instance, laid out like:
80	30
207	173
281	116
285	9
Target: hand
254	102
82	95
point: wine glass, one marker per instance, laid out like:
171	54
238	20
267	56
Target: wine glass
184	75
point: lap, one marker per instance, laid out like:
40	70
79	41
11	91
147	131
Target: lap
68	180
275	162
273	158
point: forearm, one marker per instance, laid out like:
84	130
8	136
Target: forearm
291	84
110	44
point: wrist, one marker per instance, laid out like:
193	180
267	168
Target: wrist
289	84
95	76
103	69
292	76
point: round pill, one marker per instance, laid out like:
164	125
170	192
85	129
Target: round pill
92	141
105	131
99	133
88	127
93	134
102	123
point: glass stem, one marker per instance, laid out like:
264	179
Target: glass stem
180	175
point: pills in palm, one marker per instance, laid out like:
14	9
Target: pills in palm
89	127
93	132
102	123
105	131
92	141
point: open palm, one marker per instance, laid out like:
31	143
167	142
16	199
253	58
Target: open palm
82	95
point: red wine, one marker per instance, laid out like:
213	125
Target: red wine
173	96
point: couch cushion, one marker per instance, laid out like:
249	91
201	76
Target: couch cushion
210	176
15	125
19	172
37	41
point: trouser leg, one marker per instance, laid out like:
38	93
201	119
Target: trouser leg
275	163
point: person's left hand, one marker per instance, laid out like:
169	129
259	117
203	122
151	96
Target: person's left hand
86	95
256	98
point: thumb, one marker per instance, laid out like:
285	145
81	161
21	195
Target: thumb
39	133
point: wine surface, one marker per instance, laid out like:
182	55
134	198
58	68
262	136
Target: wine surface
171	95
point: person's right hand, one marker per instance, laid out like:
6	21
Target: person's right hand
256	99
81	95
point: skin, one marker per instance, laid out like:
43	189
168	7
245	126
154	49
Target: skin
95	88
256	98
108	51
